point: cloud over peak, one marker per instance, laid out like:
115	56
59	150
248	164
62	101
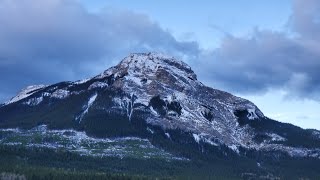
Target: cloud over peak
54	40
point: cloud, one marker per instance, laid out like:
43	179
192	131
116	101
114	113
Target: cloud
305	18
270	60
55	40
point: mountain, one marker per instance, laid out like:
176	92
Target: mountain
150	106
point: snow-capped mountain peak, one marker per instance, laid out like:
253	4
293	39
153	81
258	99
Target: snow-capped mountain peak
164	92
150	66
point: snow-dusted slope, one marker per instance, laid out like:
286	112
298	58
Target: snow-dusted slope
24	93
167	90
86	107
148	75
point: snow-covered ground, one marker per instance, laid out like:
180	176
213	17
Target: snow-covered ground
79	142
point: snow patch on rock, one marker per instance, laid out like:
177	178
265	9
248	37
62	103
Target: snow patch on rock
204	138
150	130
81	81
316	133
234	148
276	137
34	101
168	135
97	85
252	114
60	94
196	137
86	107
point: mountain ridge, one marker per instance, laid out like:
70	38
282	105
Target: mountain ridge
147	91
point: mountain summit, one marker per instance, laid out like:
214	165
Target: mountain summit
158	98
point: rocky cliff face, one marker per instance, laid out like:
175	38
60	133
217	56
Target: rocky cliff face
146	92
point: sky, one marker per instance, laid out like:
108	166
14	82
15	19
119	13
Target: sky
265	51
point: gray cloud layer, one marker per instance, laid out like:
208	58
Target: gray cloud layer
271	60
54	40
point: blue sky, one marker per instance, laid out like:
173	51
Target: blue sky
265	51
205	21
